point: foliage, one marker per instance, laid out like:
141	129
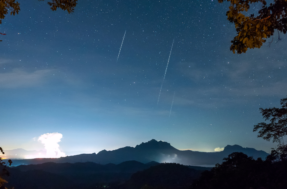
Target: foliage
276	129
8	5
4	172
239	171
14	7
2	182
5	7
68	5
253	31
280	154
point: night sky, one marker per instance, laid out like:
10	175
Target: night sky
59	73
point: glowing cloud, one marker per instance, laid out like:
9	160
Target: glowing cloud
50	141
169	158
218	149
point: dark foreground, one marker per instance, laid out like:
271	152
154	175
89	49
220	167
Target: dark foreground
127	175
238	171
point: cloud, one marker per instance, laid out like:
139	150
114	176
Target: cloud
169	158
4	61
20	78
218	149
238	81
50	141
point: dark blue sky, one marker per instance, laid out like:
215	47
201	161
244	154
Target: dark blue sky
59	73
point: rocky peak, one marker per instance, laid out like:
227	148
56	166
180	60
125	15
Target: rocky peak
154	145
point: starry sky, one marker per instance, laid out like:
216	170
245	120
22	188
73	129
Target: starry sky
59	73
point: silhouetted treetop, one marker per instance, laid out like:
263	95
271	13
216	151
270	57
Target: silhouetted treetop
238	171
277	128
253	31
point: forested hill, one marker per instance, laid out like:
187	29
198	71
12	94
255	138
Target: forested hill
91	175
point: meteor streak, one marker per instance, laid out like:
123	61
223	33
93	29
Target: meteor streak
165	72
121	46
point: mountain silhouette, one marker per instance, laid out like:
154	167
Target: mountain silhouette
154	145
153	150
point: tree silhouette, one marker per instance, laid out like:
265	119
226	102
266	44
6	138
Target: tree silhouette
253	31
238	171
4	171
276	129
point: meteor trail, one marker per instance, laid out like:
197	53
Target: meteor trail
121	46
165	72
171	104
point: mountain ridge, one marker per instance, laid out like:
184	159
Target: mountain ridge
153	150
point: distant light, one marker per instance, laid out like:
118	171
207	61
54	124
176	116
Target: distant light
218	149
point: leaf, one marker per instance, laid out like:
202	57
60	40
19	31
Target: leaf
245	39
2	182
